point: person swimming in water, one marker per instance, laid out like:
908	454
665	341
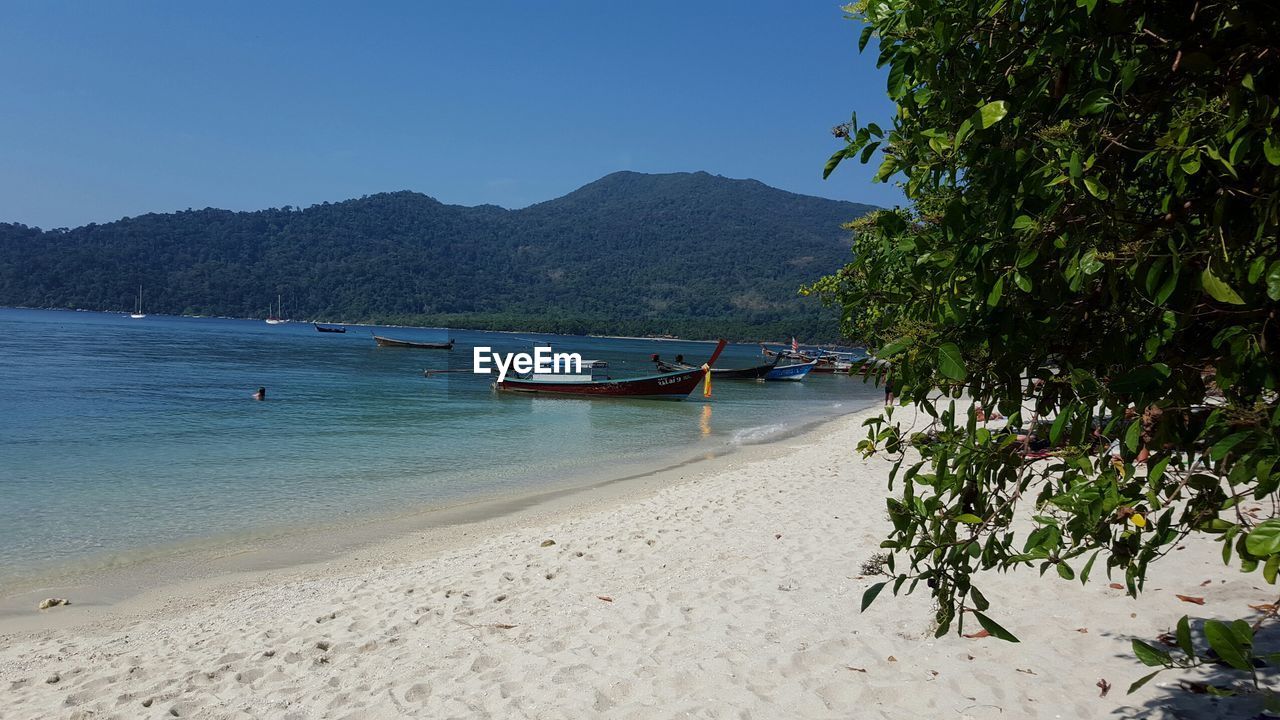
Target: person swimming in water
261	394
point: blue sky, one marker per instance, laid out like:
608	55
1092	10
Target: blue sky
117	109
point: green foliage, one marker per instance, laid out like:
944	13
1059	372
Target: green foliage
687	253
1231	644
1091	249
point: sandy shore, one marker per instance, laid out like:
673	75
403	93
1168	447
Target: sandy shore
724	591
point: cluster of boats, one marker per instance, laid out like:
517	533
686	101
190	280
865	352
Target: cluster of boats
675	380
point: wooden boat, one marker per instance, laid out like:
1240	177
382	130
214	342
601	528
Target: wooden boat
329	328
749	373
667	386
796	371
392	342
827	361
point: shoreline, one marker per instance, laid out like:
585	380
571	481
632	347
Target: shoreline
726	588
102	587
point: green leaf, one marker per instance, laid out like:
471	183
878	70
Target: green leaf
968	519
1217	289
833	162
1065	572
1132	436
894	348
1273	281
1088	568
1271	148
1224	642
869	596
887	167
1094	102
994	628
1139	379
1150	656
993	297
1059	423
1184	637
1264	539
1269	570
1225	445
950	363
897	85
1096	189
991	113
1190	164
865	37
1090	264
1143	680
979	601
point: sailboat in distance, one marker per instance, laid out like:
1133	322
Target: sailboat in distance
138	314
277	317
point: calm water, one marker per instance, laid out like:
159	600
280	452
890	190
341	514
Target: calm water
118	435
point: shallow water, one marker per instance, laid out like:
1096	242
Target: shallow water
119	436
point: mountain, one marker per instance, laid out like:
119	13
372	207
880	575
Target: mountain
690	254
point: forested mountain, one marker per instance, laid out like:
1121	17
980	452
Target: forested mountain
690	254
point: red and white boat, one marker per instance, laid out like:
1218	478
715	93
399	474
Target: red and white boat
667	386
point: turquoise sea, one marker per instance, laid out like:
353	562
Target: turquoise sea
119	436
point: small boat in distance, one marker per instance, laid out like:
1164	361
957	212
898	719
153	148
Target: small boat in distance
329	328
276	319
668	386
392	342
138	314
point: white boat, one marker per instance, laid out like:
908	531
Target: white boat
277	319
138	314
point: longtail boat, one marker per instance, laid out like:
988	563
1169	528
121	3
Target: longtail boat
328	328
748	373
392	342
827	361
796	371
667	386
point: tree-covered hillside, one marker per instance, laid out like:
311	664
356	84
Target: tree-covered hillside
690	254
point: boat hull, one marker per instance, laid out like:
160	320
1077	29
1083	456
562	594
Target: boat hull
791	372
668	386
323	328
392	342
751	373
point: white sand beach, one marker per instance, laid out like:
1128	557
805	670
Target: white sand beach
732	591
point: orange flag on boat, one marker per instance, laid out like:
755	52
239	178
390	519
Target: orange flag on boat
706	387
795	346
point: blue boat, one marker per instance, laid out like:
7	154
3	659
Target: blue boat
791	372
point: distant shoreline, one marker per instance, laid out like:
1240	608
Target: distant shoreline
437	327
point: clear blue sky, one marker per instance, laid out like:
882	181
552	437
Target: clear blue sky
121	108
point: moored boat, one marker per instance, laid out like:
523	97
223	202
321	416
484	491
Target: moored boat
796	371
748	373
668	386
138	314
828	361
392	342
275	317
329	328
